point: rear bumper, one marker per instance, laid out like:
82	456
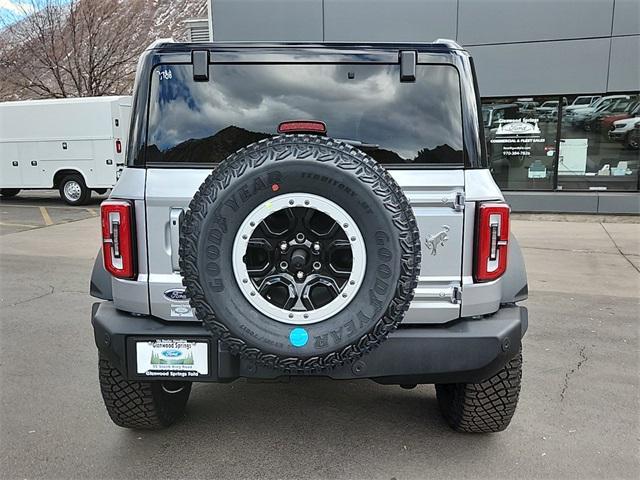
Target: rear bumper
466	350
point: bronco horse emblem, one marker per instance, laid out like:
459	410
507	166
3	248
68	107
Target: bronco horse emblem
439	238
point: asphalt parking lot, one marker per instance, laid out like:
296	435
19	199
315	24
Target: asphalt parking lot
577	417
42	208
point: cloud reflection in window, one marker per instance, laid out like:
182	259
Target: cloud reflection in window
202	121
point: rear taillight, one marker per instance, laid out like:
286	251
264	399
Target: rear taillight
118	146
492	241
117	238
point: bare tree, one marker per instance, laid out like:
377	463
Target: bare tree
76	48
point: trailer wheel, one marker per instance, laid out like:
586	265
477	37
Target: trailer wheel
74	191
9	192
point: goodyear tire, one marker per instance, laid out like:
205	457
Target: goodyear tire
338	243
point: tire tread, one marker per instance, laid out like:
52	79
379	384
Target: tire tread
483	407
311	148
138	405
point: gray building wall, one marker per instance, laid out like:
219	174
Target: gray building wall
521	47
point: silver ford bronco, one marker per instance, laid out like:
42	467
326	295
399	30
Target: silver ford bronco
308	210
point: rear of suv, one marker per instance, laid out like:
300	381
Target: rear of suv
308	210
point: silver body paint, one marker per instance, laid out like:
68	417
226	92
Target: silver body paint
444	203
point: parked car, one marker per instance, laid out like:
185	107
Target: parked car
269	224
593	122
494	112
75	145
626	132
548	111
577	116
632	110
527	107
580	102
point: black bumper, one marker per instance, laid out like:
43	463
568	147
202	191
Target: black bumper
467	350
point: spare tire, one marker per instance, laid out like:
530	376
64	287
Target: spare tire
300	253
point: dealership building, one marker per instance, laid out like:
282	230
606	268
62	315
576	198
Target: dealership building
569	71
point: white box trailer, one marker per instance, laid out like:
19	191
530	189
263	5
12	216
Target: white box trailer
75	145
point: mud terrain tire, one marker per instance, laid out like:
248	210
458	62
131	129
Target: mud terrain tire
484	407
141	405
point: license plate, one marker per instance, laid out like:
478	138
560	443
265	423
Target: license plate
172	358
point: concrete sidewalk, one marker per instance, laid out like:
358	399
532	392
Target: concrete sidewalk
579	257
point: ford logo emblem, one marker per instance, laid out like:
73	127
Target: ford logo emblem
171	353
176	294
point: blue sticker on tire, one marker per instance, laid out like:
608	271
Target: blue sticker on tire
298	337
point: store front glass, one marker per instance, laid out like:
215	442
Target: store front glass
579	142
599	145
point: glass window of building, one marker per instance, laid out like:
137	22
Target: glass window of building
521	135
594	147
599	144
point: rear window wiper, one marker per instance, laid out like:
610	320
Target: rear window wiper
359	144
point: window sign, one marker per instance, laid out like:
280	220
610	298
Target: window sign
521	138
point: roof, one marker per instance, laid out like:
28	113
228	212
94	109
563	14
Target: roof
66	101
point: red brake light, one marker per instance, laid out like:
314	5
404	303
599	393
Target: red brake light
492	241
117	238
118	146
302	126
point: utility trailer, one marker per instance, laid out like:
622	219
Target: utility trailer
75	145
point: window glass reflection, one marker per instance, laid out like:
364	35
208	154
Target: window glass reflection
599	145
521	138
396	122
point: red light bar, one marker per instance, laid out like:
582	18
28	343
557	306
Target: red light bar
302	126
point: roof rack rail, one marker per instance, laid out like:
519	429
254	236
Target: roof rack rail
449	43
160	41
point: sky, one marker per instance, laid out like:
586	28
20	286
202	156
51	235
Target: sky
12	9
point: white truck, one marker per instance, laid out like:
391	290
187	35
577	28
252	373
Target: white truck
75	145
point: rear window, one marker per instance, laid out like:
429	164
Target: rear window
396	123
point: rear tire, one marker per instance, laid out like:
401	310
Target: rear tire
74	191
141	405
9	192
632	141
484	407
